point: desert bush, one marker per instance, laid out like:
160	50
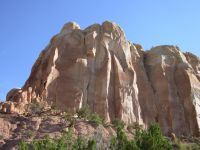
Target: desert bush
95	118
118	123
86	113
152	139
91	145
35	108
185	146
68	118
121	141
1	136
132	128
84	144
65	142
23	145
30	133
45	144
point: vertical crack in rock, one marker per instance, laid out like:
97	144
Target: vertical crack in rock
99	67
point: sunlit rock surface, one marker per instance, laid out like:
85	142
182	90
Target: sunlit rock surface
99	67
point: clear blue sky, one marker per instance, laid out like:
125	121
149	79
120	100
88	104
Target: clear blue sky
27	26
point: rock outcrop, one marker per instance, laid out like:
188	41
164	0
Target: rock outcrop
15	128
99	67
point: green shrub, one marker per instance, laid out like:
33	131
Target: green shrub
118	123
23	145
91	145
35	107
95	118
86	113
1	136
44	144
80	144
152	139
84	144
68	118
121	141
132	128
185	146
65	142
30	133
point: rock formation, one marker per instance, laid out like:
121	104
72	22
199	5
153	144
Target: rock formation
15	128
100	68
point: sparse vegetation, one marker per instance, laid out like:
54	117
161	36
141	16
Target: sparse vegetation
86	113
30	133
151	139
65	142
121	141
118	123
23	145
69	118
35	108
132	128
1	136
185	146
95	119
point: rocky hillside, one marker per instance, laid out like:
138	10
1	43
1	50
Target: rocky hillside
100	68
52	124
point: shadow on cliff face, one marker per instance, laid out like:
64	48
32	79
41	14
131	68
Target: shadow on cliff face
98	66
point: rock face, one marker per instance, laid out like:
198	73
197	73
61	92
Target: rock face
99	67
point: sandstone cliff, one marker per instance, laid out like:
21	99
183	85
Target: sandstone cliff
99	67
